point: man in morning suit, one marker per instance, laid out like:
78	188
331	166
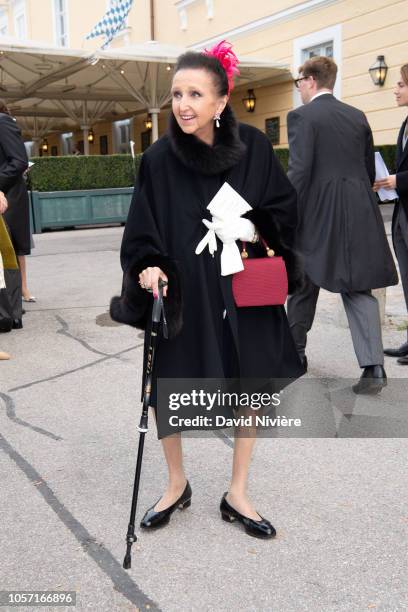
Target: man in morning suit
399	181
341	234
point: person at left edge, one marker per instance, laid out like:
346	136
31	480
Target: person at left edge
13	164
178	177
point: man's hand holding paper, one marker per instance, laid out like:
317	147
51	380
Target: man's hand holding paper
385	183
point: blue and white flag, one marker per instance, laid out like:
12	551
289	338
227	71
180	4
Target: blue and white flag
112	22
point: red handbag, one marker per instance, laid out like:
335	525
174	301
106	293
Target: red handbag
262	282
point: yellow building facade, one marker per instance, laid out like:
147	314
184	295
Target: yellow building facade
353	32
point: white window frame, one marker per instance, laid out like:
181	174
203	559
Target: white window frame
3	21
19	10
182	6
56	16
333	34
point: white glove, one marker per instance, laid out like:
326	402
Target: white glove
232	230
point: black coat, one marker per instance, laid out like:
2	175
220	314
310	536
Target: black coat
341	231
13	163
401	176
178	177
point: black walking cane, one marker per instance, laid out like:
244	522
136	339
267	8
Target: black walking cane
157	314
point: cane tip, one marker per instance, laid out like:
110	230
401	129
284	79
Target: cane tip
127	562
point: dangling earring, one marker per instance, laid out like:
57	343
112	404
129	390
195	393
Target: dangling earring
217	119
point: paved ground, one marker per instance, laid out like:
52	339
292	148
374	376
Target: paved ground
68	409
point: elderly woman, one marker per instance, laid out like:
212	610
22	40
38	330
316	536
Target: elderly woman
209	337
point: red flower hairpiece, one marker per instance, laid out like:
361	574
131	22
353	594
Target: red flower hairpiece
227	58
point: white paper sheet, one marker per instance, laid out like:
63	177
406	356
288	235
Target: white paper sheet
225	206
381	172
228	204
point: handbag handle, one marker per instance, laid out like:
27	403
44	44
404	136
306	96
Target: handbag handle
269	252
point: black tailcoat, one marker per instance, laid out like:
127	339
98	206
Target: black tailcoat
341	231
401	176
178	177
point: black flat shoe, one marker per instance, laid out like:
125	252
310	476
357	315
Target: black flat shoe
401	351
403	360
17	324
152	519
258	529
372	380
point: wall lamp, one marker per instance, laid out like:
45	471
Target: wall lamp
378	71
250	101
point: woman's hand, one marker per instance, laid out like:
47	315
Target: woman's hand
387	183
3	203
149	279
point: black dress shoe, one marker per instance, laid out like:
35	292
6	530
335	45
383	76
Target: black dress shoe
372	380
402	351
153	519
17	324
403	360
259	529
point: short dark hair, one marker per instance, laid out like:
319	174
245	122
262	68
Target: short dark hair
195	60
322	69
404	73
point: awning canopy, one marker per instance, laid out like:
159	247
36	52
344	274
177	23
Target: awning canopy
57	89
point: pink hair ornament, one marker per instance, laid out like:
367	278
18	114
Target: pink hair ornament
228	60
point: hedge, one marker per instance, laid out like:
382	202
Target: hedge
109	171
73	172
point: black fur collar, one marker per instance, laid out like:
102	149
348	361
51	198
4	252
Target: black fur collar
197	155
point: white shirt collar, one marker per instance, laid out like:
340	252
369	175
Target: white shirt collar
320	93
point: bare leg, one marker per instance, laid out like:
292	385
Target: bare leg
23	271
173	453
245	438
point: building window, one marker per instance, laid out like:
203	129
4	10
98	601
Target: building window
103	145
272	130
19	13
325	49
122	136
327	42
61	22
19	18
3	22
